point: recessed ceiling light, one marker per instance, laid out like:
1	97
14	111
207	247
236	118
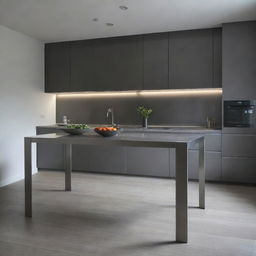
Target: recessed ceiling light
123	7
95	19
109	24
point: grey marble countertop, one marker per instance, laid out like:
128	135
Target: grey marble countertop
152	129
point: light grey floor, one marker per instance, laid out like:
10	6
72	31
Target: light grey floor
119	216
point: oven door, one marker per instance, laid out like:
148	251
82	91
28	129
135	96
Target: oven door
240	113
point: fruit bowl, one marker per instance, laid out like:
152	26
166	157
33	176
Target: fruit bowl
106	131
76	129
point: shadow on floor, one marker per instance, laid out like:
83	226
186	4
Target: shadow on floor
173	206
52	190
246	193
147	245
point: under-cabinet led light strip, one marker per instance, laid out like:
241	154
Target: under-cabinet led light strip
157	93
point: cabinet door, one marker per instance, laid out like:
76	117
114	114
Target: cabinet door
239	60
239	169
212	143
239	145
49	156
82	66
155	61
217	58
150	161
57	67
81	155
106	159
191	59
212	165
119	63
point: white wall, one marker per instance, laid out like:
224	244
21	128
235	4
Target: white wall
23	104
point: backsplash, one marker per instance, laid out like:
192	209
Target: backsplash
167	110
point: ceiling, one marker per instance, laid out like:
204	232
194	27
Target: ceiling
60	20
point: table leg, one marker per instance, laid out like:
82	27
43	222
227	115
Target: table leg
28	177
201	175
181	194
68	166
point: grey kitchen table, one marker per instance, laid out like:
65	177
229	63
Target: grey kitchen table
181	143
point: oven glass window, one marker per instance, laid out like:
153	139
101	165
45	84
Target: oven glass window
240	113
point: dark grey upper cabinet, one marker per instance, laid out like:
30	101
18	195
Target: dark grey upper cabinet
239	60
191	59
217	58
119	63
82	71
155	61
186	59
57	67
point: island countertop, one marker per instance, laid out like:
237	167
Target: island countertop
150	129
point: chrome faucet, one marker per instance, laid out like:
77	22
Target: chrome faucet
111	110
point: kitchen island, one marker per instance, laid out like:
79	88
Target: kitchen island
139	161
179	142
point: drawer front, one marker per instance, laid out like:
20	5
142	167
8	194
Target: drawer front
239	169
150	161
238	145
212	165
212	143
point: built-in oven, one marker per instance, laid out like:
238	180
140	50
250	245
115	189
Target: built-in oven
240	113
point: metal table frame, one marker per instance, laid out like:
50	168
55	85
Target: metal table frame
181	169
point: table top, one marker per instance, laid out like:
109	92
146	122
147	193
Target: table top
122	139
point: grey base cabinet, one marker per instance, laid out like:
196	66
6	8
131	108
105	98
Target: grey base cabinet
49	156
105	159
80	156
212	165
158	162
85	158
212	158
239	158
240	145
153	162
239	169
